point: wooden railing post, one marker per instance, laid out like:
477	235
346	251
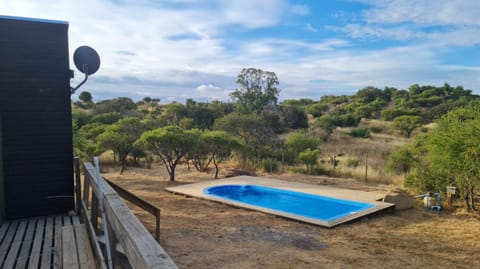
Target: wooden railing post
157	228
94	212
139	246
78	197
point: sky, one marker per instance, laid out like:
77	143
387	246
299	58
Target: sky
179	49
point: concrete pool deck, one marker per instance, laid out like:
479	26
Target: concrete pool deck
196	190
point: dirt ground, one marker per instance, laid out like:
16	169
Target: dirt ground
203	234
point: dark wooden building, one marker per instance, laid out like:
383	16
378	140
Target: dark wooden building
35	118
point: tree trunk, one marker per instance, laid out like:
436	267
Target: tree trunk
472	199
467	203
216	167
171	172
122	164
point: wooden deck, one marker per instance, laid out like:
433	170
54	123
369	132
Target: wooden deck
33	243
72	242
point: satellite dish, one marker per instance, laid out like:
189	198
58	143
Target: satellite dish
87	61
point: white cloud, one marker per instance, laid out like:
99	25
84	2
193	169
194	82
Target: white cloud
444	22
424	12
310	28
375	31
252	13
302	10
157	49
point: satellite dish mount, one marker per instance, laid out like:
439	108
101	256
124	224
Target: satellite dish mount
87	61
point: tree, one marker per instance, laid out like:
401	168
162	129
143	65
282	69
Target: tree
255	133
407	124
85	140
120	137
212	147
450	155
402	160
299	142
257	89
169	143
295	117
309	158
85	97
122	105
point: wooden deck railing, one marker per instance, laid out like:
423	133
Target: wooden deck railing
132	198
138	245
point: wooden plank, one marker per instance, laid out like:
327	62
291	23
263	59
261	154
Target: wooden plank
77	188
140	247
86	190
8	240
67	221
37	245
57	243
15	246
58	222
76	219
3	229
47	245
84	249
27	243
94	212
97	251
157	225
69	248
125	194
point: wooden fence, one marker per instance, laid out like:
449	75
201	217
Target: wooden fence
138	245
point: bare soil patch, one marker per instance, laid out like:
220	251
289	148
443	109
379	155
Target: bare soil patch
204	234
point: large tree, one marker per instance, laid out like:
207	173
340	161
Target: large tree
170	144
407	124
257	89
212	147
119	137
450	154
85	97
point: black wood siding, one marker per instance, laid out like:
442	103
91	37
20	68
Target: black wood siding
36	118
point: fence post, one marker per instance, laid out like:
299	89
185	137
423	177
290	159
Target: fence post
78	197
94	212
157	229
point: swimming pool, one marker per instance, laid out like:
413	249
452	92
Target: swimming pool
291	202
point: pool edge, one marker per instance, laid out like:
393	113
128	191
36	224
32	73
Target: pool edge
198	188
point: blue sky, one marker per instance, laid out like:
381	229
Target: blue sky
178	49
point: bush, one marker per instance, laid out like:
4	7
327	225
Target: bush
360	132
317	171
376	129
269	165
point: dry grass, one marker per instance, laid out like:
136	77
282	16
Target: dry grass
376	150
203	234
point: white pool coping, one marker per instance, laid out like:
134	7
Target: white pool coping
196	190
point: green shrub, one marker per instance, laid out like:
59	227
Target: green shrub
376	129
360	132
317	171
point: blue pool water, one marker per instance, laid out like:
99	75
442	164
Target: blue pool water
297	203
